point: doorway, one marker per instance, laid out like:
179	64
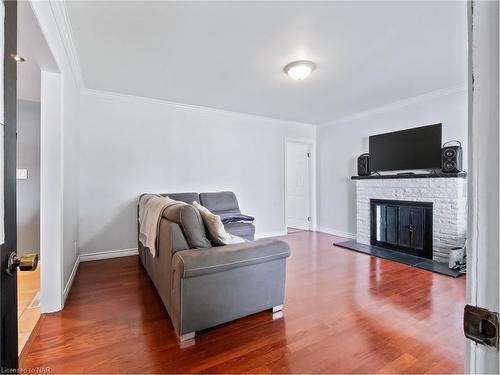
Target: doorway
298	186
28	172
38	107
28	205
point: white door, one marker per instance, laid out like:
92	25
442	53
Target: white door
297	189
484	173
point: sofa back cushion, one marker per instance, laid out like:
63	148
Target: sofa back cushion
184	197
189	220
221	202
171	238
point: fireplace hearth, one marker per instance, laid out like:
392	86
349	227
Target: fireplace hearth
404	226
418	220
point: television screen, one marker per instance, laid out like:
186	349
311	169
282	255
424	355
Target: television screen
417	148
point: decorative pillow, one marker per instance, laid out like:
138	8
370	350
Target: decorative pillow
216	232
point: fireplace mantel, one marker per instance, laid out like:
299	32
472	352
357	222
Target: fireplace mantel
448	195
416	175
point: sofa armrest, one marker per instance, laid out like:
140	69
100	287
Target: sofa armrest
197	262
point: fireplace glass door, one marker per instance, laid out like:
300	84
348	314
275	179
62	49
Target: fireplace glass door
403	226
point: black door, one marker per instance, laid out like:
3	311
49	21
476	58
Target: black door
404	226
8	283
418	232
392	224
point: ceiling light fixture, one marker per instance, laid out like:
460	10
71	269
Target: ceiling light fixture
17	58
299	70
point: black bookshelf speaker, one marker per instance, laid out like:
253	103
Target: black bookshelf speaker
364	165
451	158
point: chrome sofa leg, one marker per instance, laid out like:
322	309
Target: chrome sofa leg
277	308
186	336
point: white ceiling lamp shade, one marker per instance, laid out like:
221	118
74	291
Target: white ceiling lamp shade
299	70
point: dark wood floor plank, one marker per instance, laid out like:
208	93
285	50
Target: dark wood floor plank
344	312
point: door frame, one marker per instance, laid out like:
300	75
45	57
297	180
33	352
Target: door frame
311	143
483	175
51	167
52	290
8	283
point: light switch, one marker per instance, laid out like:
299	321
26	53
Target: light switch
21	174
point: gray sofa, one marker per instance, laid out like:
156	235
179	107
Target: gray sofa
224	204
203	286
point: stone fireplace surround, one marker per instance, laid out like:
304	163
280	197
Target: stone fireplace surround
448	195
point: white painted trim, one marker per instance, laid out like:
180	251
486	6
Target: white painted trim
312	180
108	254
71	278
180	106
60	13
271	234
398	104
482	288
338	233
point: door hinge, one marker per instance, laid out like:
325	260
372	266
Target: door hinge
481	325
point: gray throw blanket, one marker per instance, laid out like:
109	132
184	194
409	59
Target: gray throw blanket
236	218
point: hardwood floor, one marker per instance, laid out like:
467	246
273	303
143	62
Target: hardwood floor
28	311
344	312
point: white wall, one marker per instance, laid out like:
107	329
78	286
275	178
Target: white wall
129	146
28	190
341	142
70	188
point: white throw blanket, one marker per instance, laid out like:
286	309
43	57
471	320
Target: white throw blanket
151	207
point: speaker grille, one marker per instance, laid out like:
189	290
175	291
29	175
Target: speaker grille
449	153
451	160
363	165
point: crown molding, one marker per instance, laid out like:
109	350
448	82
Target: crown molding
396	105
181	106
61	17
60	13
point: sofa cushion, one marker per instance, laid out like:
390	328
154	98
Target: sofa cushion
243	230
215	229
184	197
191	223
221	202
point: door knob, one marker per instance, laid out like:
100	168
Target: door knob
26	262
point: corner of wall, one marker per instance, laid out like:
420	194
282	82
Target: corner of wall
71	278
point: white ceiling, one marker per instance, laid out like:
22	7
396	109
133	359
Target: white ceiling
230	55
28	79
28	72
31	45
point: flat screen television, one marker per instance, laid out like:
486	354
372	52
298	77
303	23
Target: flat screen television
417	148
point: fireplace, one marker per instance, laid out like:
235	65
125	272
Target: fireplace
403	226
